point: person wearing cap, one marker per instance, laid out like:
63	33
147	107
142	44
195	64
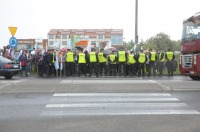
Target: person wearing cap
169	56
102	63
122	59
152	62
93	59
112	61
69	64
160	61
141	58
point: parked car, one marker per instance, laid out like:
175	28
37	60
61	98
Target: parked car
8	68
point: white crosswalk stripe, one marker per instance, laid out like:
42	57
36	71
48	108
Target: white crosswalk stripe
86	104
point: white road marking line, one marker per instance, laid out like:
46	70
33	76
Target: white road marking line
104	81
121	105
109	94
120	112
106	99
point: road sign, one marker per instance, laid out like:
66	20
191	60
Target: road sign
13	42
13	30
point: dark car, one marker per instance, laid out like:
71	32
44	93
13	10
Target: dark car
8	68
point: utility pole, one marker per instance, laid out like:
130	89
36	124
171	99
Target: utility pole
136	21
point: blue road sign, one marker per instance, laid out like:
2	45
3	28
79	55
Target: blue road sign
13	42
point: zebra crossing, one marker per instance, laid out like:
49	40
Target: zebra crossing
97	104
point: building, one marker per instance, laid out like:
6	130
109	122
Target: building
29	44
98	37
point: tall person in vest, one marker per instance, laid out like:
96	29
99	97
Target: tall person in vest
122	58
81	59
93	59
69	64
102	63
152	62
169	56
132	64
160	61
142	58
112	63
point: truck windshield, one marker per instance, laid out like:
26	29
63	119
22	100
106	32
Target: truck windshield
191	31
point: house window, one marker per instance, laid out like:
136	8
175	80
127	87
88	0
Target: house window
51	36
64	42
51	42
100	36
93	42
117	39
64	36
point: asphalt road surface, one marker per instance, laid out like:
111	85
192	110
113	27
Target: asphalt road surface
100	104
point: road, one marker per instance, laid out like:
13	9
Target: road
99	104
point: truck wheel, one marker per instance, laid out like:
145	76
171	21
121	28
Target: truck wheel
8	76
194	77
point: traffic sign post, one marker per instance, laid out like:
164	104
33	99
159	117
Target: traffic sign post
13	42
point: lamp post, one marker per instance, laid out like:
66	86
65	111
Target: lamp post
136	21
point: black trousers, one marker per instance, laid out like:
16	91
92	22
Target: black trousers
132	69
112	69
169	65
152	65
69	67
93	65
81	69
103	67
122	65
141	67
160	67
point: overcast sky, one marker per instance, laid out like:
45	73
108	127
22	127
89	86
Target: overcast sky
34	18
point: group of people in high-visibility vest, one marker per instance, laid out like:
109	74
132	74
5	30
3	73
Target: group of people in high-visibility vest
117	63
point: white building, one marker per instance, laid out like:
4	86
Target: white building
99	37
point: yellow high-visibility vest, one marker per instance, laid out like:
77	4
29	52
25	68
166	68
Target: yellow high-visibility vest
70	57
121	56
169	55
101	57
141	58
53	60
81	58
112	58
131	59
93	57
163	59
153	56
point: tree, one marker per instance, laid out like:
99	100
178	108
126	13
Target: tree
161	41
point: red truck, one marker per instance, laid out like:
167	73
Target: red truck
190	48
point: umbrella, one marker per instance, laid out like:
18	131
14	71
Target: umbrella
109	50
79	48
